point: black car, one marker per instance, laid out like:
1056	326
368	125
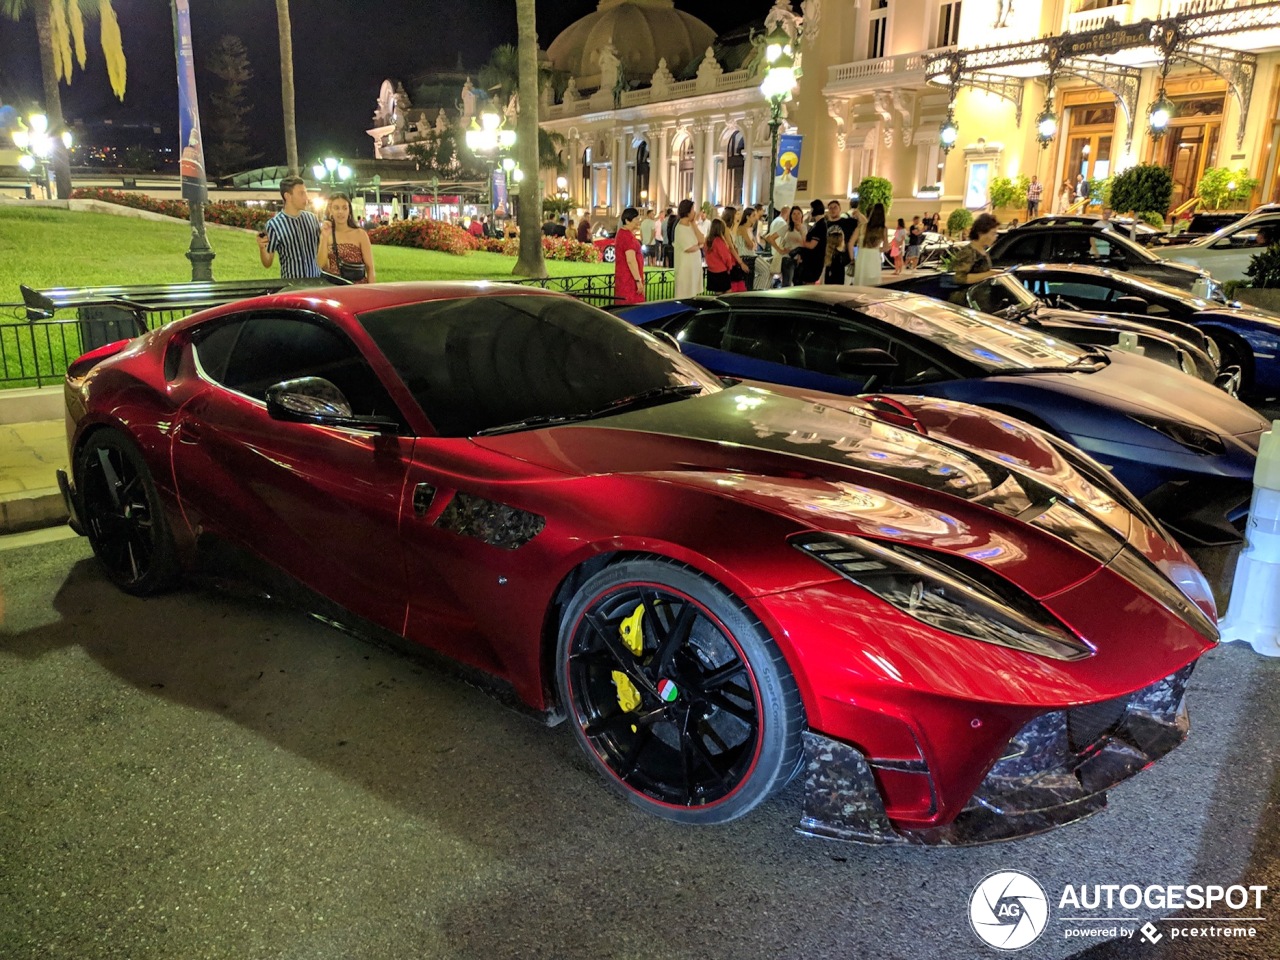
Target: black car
1247	337
1098	248
1169	341
1204	225
1147	234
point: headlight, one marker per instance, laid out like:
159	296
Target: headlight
1184	435
1187	363
951	594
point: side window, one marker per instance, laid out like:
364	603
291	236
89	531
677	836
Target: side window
1078	291
213	348
268	350
763	336
1247	236
1022	250
821	340
915	367
1074	247
704	329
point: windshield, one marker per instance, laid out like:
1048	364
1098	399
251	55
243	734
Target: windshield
474	363
999	293
988	342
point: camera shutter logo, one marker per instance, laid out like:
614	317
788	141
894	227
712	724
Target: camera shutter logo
1008	910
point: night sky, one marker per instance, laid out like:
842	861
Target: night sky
342	51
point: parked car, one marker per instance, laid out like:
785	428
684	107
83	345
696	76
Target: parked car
1247	337
1183	446
1172	342
608	252
960	628
1100	248
1202	225
1147	234
1226	254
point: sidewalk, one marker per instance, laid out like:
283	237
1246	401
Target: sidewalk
33	445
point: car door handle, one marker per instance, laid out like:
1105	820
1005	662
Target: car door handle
423	494
188	434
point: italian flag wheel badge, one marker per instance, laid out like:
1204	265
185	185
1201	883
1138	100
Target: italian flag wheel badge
668	691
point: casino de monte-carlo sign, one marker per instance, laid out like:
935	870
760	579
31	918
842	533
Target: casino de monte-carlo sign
1098	43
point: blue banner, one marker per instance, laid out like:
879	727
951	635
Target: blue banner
191	149
501	202
787	169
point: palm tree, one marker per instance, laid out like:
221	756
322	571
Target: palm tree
286	86
500	77
59	25
530	262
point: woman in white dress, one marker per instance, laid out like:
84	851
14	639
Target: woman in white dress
870	237
689	244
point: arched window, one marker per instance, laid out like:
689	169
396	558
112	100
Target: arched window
686	169
642	173
735	162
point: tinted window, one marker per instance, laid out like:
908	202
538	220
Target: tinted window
1078	290
480	362
993	295
706	329
1247	235
810	342
213	348
269	350
1021	250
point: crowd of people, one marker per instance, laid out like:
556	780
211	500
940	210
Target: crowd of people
744	249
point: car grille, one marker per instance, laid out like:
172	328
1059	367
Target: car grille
1086	725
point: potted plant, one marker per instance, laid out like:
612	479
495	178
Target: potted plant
873	190
1008	195
1144	188
959	221
1264	280
1220	187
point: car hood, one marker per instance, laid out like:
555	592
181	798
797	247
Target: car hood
981	485
1249	314
1140	386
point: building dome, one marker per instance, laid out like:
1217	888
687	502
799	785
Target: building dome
641	31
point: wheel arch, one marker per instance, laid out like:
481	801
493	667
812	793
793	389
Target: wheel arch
1244	351
586	566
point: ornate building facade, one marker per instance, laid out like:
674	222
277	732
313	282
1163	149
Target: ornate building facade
656	108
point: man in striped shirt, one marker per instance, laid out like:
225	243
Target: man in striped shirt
294	233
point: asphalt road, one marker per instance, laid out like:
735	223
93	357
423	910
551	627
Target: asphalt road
208	774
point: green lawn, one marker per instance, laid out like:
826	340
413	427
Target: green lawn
57	248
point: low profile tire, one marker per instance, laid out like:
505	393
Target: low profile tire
1235	352
122	515
677	694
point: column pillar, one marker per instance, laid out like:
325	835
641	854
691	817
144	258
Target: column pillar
748	163
697	131
709	163
621	181
658	170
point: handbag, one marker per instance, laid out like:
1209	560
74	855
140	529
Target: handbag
737	274
350	271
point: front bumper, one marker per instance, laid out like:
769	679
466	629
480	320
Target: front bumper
1054	771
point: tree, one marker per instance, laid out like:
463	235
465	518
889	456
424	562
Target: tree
1004	192
1142	188
227	135
286	86
500	77
59	27
530	262
551	151
873	190
443	154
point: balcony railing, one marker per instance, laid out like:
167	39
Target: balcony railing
734	80
874	71
1082	20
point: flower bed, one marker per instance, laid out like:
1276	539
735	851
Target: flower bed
222	211
425	235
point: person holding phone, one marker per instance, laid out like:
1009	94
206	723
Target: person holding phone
293	233
343	245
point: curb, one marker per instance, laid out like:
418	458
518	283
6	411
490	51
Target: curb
32	510
29	404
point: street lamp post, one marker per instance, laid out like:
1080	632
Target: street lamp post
331	171
490	139
779	79
37	144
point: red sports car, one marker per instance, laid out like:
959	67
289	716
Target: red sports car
954	626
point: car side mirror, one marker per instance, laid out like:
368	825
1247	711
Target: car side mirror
865	360
1131	305
316	400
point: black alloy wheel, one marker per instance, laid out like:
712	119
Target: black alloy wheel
123	516
677	693
1235	353
610	254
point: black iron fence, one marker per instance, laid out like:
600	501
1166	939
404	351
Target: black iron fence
597	289
43	335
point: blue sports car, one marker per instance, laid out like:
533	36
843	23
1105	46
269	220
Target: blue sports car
1183	446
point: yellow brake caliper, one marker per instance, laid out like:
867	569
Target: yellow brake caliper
633	639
